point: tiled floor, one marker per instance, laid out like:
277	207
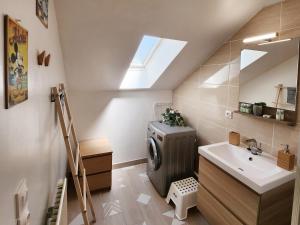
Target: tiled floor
131	201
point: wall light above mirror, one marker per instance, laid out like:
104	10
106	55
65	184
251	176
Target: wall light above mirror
262	37
269	73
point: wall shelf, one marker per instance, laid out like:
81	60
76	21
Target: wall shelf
272	120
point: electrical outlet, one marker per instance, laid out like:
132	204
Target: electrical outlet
21	198
228	114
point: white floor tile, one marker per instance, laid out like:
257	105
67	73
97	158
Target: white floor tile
111	208
170	213
177	222
144	199
78	220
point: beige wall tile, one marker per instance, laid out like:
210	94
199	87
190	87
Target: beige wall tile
233	97
290	14
292	33
186	89
215	94
213	113
200	110
267	20
214	75
267	148
182	103
234	74
264	146
252	128
211	132
221	56
235	51
286	135
190	115
194	77
183	108
202	141
190	83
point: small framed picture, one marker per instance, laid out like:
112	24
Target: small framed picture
16	62
42	11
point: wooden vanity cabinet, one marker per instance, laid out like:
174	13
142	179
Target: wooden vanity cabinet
224	200
213	210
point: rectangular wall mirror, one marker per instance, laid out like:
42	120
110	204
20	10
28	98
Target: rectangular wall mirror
269	74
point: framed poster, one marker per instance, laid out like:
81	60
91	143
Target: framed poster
42	11
16	62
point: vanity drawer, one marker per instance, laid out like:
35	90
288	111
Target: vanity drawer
236	197
98	164
213	210
99	181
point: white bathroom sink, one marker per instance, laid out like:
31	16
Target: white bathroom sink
259	172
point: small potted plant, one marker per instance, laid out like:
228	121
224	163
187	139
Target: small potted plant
258	108
173	118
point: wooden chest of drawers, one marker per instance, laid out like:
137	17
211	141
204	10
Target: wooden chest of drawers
97	160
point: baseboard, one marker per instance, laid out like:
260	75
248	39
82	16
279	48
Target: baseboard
129	163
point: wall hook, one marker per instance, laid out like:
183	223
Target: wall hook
47	60
40	58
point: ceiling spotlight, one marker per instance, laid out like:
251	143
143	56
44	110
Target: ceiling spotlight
263	37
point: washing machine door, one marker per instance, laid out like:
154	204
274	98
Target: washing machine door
153	154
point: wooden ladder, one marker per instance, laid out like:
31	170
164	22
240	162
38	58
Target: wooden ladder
75	160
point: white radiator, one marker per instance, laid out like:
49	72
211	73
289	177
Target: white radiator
58	214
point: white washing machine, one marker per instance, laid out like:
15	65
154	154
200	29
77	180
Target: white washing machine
170	154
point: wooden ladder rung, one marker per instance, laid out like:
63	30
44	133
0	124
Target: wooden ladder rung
84	189
69	128
77	159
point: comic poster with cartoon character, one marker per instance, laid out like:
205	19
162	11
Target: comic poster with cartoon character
16	63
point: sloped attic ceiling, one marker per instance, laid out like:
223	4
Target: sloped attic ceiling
99	37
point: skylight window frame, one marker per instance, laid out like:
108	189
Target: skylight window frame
157	59
148	58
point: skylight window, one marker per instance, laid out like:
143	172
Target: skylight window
152	58
145	50
249	56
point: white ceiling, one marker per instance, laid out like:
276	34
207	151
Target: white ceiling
99	37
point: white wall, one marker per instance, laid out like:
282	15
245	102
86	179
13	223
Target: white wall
121	117
31	145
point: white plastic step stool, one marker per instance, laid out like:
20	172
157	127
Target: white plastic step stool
184	195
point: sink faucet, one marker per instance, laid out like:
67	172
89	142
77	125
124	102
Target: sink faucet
253	148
